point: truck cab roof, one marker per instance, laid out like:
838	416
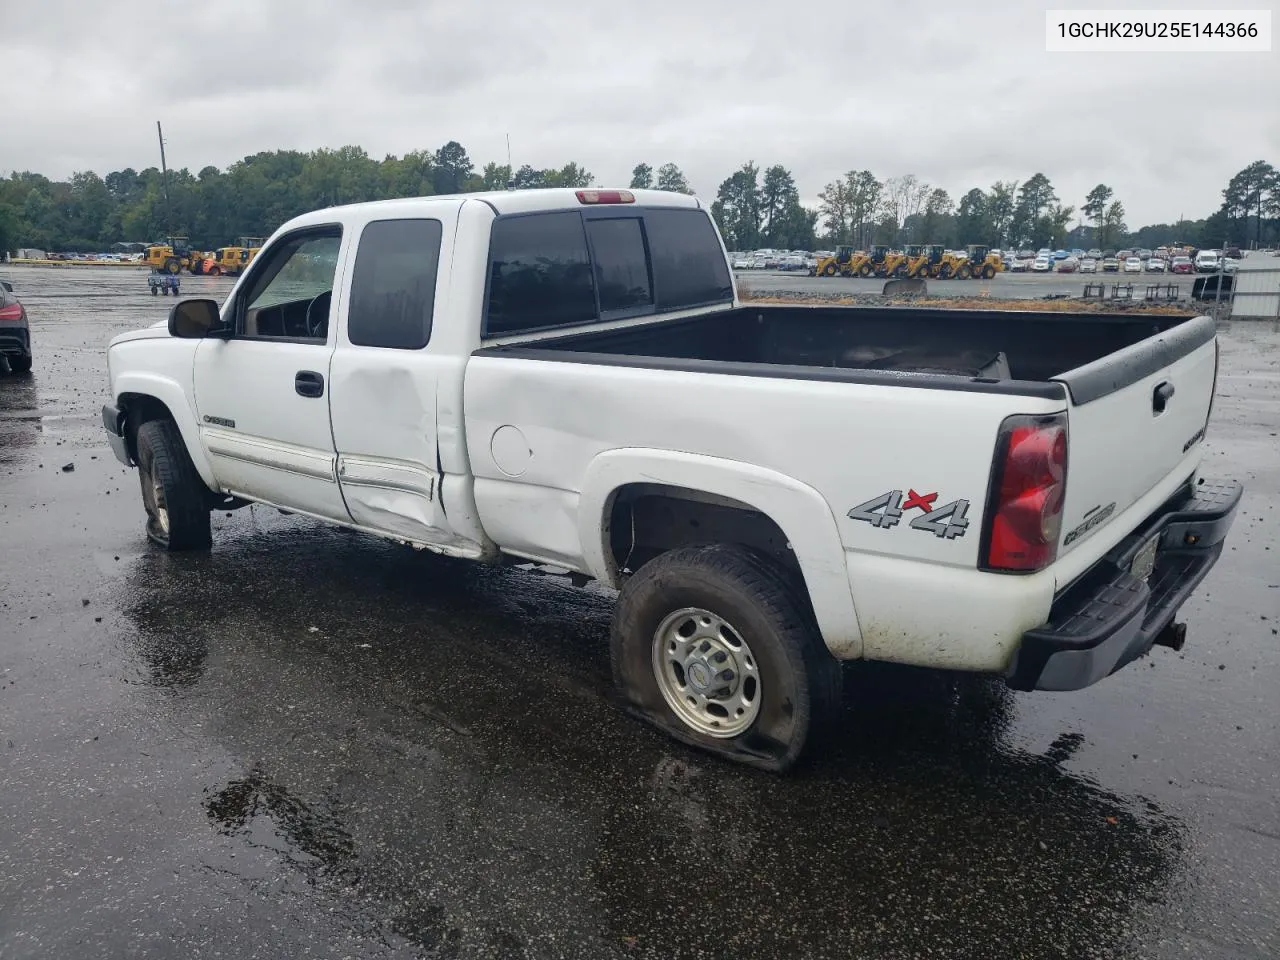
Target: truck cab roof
500	201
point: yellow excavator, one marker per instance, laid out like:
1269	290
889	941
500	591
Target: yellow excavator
980	263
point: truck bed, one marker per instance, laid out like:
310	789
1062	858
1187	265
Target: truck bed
1001	351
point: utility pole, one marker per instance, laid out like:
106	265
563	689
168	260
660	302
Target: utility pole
511	173
164	181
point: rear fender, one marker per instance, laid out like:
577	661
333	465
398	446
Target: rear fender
171	394
799	511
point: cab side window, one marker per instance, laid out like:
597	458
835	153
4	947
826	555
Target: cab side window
290	294
393	284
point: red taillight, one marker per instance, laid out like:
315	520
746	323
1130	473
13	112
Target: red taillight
11	312
606	196
1028	483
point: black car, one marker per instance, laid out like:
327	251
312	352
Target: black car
15	332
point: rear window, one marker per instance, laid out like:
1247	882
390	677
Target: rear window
689	269
539	274
393	285
563	268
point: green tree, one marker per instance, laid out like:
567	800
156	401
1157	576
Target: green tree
1000	207
937	210
670	177
1253	192
834	209
1112	229
778	197
1095	206
453	168
973	223
737	208
642	177
495	176
1031	225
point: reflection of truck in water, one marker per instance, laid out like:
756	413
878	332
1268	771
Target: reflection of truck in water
568	377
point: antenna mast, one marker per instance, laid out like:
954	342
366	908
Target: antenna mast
511	171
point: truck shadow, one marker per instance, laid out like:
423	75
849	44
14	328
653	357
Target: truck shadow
451	753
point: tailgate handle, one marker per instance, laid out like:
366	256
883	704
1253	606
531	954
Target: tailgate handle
1160	397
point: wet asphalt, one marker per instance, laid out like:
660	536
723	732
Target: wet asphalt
309	743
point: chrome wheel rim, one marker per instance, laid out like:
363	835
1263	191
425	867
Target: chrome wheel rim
706	672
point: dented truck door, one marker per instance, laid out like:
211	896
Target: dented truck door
384	381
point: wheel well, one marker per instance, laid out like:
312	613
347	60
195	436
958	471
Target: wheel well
139	408
647	519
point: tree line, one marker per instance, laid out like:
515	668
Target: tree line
754	207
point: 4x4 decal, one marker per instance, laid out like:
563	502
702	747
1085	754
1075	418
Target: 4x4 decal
946	522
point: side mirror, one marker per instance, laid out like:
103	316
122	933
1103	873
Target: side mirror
7	286
194	319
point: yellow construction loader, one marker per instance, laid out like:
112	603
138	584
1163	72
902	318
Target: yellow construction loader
981	263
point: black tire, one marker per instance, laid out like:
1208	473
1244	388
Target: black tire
175	498
944	272
866	270
155	292
988	272
964	272
20	364
799	682
173	266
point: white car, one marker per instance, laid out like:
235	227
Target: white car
1230	264
444	372
1132	265
1156	265
742	263
1208	261
1042	264
1088	265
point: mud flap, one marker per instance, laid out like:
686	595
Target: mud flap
913	287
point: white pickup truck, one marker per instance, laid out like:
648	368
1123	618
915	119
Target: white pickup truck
569	377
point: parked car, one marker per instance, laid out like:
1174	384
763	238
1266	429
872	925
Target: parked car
741	262
792	264
1230	264
1042	265
1078	253
1110	265
15	332
1094	254
1088	265
1143	255
408	386
1208	261
1020	264
1155	265
1132	265
1182	265
1069	265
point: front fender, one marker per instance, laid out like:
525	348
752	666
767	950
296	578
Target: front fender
170	393
799	510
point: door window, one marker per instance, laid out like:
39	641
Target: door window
393	285
290	295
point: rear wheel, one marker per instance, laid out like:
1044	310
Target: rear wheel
829	270
965	272
713	646
172	265
215	271
944	272
176	499
988	272
866	270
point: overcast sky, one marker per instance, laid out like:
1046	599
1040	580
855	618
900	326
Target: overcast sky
960	94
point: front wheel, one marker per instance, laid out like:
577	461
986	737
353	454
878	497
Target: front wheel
988	272
712	645
829	270
176	499
215	271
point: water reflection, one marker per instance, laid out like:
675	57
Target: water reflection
448	729
19	417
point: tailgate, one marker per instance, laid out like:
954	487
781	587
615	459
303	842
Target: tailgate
1136	415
